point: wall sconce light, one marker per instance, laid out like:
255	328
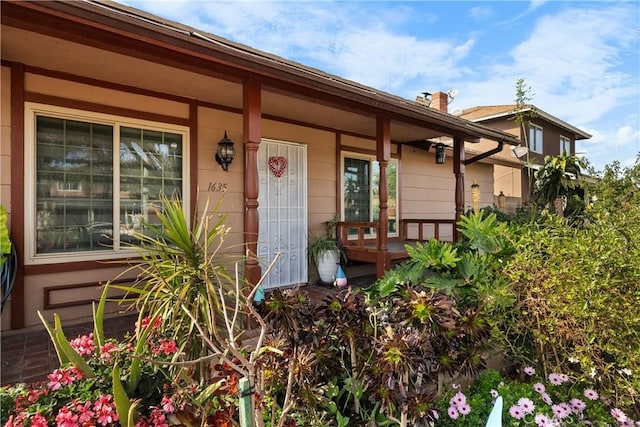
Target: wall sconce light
440	154
225	153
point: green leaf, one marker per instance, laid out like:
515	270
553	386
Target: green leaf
121	399
206	394
72	355
98	320
62	358
5	242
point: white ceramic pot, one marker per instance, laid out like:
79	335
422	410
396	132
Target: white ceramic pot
327	266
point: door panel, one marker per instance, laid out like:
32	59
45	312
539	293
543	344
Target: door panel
282	212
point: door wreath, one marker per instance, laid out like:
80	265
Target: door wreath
278	165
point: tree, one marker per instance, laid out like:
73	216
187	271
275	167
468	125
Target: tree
523	113
559	177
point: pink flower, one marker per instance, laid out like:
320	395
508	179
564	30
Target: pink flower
453	413
61	377
560	411
618	415
158	418
458	399
516	412
542	420
66	418
167	405
84	411
157	322
494	393
539	387
84	345
591	394
529	371
39	421
546	398
526	404
464	409
555	379
107	349
104	410
577	405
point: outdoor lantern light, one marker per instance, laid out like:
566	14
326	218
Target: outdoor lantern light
225	153
440	154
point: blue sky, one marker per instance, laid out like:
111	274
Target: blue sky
581	59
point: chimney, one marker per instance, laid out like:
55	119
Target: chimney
440	101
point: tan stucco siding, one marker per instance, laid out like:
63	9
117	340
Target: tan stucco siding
103	96
508	180
483	174
321	167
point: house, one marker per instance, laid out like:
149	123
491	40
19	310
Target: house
541	135
105	108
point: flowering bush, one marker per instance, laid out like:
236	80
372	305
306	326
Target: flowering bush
72	397
533	401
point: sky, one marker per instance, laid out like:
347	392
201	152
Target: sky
580	59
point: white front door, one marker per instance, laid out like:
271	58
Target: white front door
282	212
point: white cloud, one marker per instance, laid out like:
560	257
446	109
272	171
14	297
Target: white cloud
481	13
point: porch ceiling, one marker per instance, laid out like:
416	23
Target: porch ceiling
114	43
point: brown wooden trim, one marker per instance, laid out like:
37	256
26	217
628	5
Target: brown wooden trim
252	133
458	170
105	109
17	191
338	154
383	154
65	267
193	158
50	289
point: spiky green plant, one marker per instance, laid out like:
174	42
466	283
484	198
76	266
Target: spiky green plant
180	270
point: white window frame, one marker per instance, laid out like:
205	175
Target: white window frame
371	158
535	145
32	110
565	144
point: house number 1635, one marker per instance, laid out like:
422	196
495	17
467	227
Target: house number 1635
217	187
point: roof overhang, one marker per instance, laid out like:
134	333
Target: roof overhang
109	25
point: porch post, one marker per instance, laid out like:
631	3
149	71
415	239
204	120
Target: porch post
383	154
252	131
458	170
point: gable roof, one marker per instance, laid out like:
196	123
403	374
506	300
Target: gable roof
146	36
490	112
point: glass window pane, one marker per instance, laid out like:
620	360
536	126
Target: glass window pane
68	195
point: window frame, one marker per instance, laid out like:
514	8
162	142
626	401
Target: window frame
535	145
565	143
372	159
31	111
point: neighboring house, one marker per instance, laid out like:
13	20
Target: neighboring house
105	108
542	135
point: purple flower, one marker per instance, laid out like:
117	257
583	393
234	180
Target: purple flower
453	413
542	420
555	379
546	399
618	415
577	405
526	405
464	409
559	411
494	393
458	399
516	412
591	394
539	387
529	371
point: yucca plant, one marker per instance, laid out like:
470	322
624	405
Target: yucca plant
180	269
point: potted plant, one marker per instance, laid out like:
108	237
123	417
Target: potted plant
324	252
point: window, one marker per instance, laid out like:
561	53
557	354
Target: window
92	178
361	186
565	145
535	138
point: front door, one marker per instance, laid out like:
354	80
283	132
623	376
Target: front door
282	212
